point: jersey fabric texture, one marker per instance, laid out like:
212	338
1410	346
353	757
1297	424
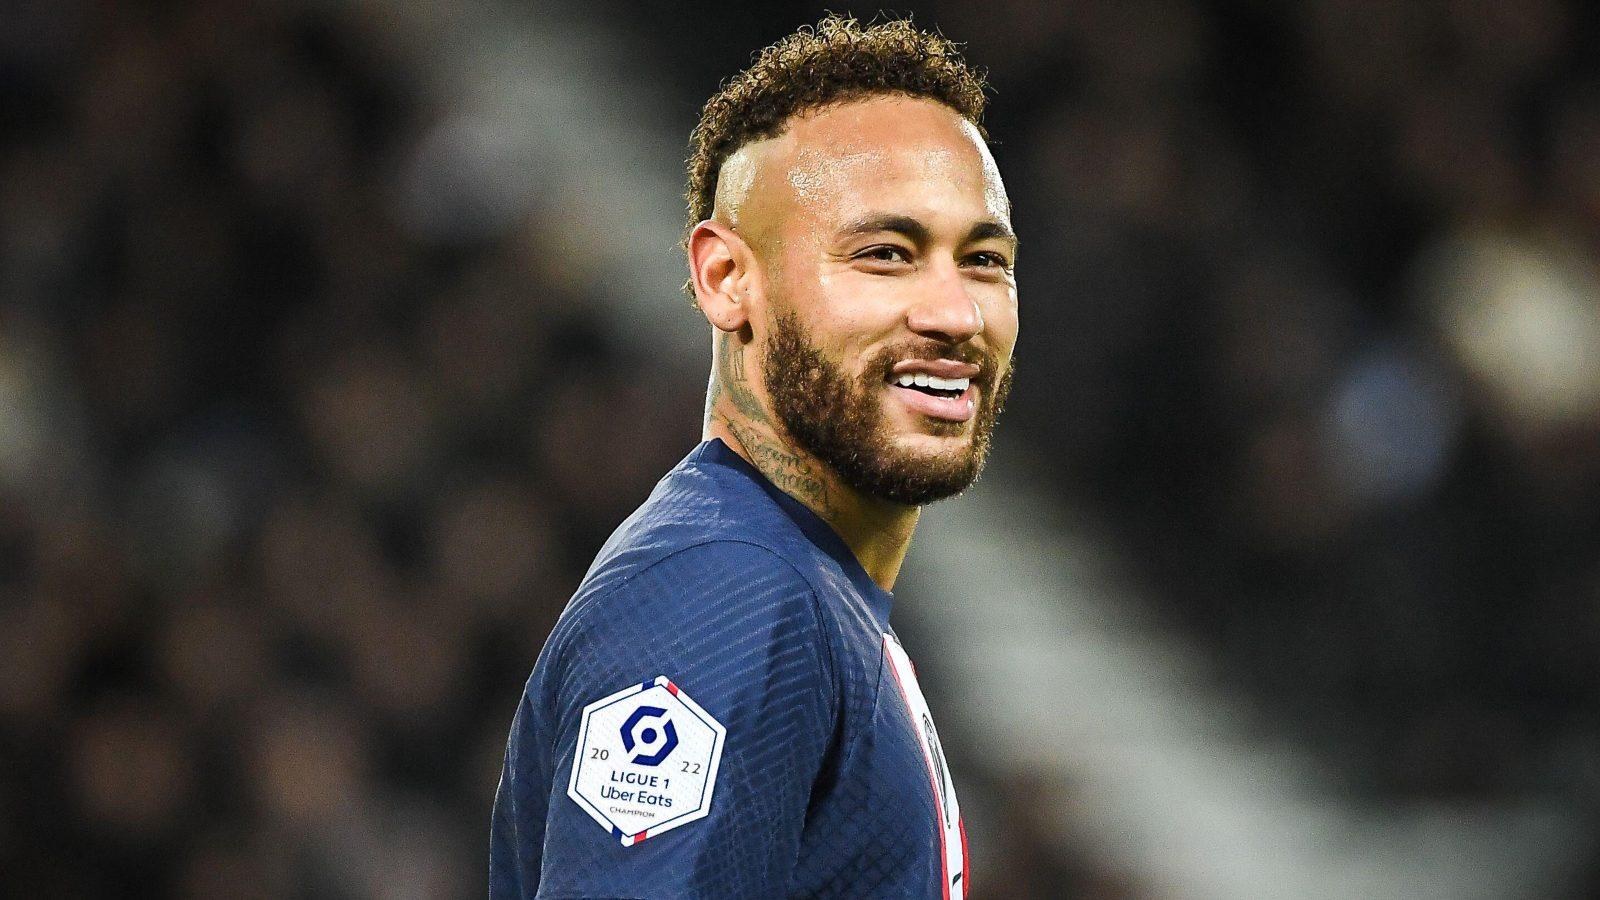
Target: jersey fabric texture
756	609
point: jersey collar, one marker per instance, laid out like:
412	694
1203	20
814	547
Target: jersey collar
813	526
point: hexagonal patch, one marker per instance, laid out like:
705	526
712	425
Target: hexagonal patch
646	761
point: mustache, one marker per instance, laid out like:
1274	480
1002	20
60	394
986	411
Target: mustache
883	364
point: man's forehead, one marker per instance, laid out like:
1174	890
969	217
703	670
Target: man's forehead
829	155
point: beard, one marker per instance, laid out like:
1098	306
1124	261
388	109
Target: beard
841	422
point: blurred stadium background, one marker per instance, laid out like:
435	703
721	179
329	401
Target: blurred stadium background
335	337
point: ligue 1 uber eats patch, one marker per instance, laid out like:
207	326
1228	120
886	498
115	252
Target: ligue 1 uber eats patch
646	761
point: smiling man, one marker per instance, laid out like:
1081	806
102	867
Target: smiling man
723	709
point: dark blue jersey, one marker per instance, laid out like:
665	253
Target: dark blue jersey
723	711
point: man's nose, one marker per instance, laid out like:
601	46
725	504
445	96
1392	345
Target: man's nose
945	311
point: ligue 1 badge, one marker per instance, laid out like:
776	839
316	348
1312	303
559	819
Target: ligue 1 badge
646	760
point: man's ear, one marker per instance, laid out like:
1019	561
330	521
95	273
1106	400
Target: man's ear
721	269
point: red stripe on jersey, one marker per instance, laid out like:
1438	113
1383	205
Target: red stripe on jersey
933	782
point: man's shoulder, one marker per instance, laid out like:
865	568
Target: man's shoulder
688	614
707	513
689	570
710	564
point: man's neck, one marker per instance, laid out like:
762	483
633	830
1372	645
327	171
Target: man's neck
878	533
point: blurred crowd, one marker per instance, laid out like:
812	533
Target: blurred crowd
296	472
294	476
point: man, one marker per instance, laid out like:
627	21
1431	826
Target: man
723	709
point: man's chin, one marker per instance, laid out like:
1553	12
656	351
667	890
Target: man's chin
944	450
917	469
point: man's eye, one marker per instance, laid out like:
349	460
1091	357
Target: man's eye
991	260
884	253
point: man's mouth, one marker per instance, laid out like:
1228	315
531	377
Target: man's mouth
952	399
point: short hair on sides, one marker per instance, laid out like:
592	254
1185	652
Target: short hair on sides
836	61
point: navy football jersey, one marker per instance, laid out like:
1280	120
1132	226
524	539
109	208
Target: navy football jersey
723	711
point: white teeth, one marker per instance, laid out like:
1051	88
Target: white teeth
923	379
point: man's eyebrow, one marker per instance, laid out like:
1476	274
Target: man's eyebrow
992	229
918	233
913	230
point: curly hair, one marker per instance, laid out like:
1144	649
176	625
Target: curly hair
837	61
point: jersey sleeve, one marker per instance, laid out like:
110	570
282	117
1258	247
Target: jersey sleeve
735	629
